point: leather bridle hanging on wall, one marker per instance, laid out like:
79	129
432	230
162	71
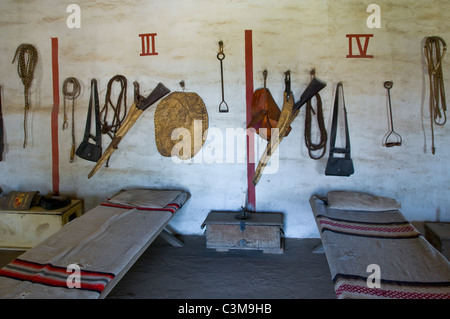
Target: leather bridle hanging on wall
111	124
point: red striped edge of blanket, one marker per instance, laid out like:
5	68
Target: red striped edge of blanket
50	275
351	286
172	207
355	291
394	230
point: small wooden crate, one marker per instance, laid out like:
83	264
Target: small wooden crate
261	231
25	229
438	234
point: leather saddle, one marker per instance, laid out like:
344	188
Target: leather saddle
264	112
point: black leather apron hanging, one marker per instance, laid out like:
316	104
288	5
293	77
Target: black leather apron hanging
86	150
339	166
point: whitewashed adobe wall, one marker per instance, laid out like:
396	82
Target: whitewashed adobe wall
287	35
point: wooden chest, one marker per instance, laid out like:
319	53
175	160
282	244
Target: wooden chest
260	231
25	229
438	234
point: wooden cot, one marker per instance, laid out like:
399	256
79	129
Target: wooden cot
374	252
89	255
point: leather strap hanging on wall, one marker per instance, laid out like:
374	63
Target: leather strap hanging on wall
27	59
435	49
322	144
118	113
339	166
87	150
71	96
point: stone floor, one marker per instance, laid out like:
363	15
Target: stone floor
195	272
192	272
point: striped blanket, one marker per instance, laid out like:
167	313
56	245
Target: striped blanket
50	275
172	207
379	255
87	257
376	230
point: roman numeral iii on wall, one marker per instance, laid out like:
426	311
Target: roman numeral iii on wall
148	44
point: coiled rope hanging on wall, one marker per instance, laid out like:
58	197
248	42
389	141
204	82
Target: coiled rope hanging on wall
71	95
27	60
435	49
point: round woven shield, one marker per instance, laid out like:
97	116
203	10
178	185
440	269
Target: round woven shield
180	122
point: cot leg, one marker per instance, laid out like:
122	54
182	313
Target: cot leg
170	238
318	249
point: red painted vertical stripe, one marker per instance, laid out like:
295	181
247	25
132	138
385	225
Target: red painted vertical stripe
251	194
54	117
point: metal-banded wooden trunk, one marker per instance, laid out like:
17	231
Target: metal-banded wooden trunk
25	229
260	231
438	234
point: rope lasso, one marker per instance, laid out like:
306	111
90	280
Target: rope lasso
118	114
435	49
25	69
71	95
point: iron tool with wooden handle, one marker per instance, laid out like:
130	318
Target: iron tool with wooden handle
134	113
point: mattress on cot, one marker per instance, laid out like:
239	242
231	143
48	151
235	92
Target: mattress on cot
103	244
365	236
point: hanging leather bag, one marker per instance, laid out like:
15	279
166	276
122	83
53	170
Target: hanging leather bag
339	166
87	150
